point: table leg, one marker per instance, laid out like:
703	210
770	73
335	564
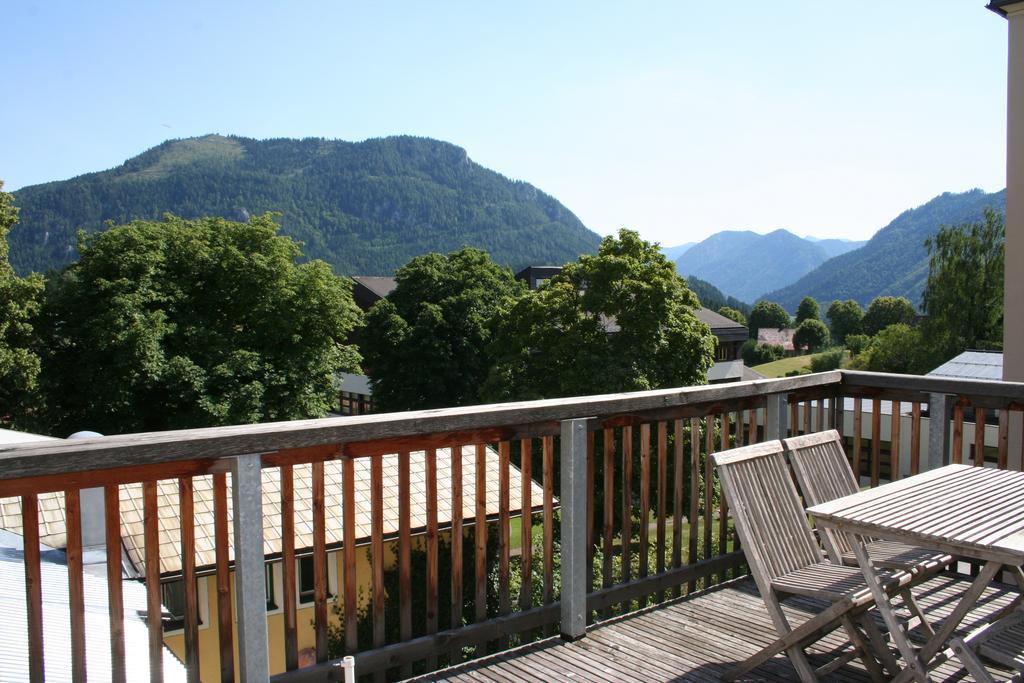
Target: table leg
970	598
896	632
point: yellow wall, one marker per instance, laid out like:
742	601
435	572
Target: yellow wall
209	647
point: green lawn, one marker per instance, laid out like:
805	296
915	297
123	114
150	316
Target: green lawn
779	368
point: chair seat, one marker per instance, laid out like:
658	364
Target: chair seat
896	555
827	581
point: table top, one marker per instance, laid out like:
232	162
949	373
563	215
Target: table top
959	509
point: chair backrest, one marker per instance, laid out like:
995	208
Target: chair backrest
766	510
823	473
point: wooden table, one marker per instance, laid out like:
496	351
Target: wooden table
962	510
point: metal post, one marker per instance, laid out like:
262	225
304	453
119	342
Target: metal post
250	585
940	411
775	417
574	529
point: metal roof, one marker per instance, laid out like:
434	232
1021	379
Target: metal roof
56	619
381	286
972	365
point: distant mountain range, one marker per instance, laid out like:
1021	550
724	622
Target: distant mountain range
745	264
364	207
672	253
894	262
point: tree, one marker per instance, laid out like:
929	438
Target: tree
857	343
808	310
885	311
758	354
811	334
192	323
897	348
733	314
622	320
963	297
426	345
769	315
844	318
19	305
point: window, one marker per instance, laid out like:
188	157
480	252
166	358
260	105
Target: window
268	575
172	595
307	587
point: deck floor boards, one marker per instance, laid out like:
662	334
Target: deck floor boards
700	637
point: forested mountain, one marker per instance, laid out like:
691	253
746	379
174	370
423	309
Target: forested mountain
745	264
672	253
893	262
712	297
835	247
364	207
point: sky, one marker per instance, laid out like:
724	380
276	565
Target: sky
676	119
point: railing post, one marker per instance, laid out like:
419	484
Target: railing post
250	585
574	529
775	417
940	411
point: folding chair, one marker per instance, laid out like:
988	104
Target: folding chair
785	559
824	474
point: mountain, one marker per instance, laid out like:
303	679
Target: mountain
713	298
835	247
364	207
672	253
893	262
746	264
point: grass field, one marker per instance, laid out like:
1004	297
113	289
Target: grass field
779	368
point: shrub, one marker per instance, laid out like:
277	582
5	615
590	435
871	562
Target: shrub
857	343
831	359
758	354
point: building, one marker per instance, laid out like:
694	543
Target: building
535	276
972	365
782	336
369	289
729	334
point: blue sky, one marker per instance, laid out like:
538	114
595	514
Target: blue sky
677	119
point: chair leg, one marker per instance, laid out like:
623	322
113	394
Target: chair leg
916	611
863	650
880	644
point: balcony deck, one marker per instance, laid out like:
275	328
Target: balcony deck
699	638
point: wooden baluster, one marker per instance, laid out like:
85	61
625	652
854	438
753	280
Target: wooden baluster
154	608
709	486
291	638
430	466
627	509
76	587
404	555
894	441
1004	438
662	494
678	470
979	436
33	586
320	561
480	533
723	507
348	502
377	547
504	554
645	501
225	635
693	520
752	425
958	433
458	512
741	437
526	521
591	522
608	445
876	440
115	597
807	405
548	445
858	427
794	418
820	422
915	437
188	575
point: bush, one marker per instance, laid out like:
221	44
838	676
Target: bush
857	343
831	359
758	354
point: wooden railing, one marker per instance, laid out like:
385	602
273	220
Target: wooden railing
627	510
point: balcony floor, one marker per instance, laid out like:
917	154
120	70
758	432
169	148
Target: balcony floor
701	637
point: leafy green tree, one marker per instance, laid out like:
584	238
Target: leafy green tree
808	310
811	334
963	298
19	305
733	314
857	343
767	314
758	354
885	311
427	344
192	323
844	318
622	320
897	348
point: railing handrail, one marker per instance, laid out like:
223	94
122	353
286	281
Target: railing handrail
1008	391
149	448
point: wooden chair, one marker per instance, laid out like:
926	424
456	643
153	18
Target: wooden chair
824	474
785	559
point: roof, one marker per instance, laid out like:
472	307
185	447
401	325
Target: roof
731	371
998	6
56	617
724	328
54	532
972	365
11	436
776	336
381	286
354	384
